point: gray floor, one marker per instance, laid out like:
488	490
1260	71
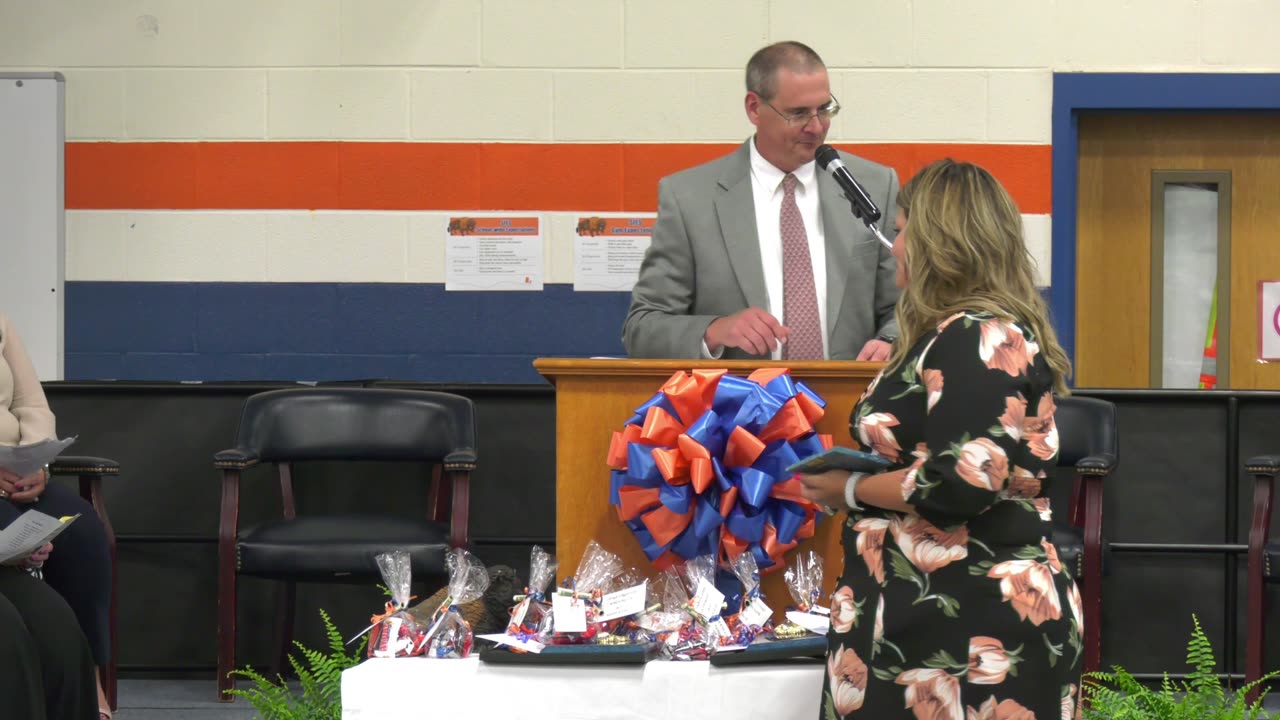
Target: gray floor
177	700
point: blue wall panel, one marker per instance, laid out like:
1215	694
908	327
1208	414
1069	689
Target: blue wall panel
330	331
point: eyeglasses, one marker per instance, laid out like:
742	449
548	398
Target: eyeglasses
800	118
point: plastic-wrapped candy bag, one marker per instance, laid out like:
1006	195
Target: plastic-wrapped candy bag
531	617
706	603
804	581
756	617
395	633
449	634
622	608
597	572
677	635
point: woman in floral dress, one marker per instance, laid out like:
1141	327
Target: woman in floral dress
953	604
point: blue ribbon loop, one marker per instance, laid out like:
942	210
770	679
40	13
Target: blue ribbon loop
736	402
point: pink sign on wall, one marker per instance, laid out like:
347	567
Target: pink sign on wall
1269	320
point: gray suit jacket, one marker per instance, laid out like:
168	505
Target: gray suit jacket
704	261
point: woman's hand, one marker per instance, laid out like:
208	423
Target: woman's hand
8	484
22	489
35	559
826	489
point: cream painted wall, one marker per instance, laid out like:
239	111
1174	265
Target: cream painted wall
550	71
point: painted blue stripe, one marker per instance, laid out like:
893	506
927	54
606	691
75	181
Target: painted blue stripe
330	331
1076	93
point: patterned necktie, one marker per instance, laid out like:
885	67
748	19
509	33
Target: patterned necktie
799	298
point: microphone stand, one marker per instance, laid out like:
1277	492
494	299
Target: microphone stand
869	219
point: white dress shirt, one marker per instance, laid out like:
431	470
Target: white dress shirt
767	194
766	188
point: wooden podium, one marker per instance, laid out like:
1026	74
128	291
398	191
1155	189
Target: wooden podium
596	397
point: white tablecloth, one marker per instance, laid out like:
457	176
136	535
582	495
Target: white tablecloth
417	688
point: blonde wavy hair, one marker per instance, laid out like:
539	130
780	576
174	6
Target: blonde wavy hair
965	252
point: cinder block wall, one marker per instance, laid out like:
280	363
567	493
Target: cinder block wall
264	182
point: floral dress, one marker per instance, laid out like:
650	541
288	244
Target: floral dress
960	610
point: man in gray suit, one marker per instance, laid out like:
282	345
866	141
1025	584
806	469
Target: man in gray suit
729	233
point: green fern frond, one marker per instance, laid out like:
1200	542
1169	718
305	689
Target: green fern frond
336	646
1202	680
1118	695
319	679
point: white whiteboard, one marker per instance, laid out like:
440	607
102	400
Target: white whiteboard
32	244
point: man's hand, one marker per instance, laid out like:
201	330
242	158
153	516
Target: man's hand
752	330
825	489
876	350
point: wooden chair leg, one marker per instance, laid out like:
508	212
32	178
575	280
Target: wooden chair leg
227	584
1092	595
1255	608
1255	633
286	603
109	672
91	491
226	634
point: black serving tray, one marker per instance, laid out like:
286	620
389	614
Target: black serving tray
805	648
572	655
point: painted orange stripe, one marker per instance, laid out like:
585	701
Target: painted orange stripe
450	176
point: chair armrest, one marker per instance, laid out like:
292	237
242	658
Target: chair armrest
83	465
461	459
1263	464
1096	464
235	459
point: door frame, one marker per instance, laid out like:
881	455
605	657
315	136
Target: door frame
1075	94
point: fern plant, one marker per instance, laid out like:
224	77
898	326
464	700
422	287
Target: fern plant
320	681
1107	696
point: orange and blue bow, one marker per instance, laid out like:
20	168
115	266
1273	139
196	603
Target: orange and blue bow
700	468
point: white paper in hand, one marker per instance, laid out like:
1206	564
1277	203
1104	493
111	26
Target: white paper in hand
22	460
30	532
569	614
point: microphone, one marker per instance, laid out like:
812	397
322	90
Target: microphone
863	207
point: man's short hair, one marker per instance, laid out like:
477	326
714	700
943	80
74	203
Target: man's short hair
762	68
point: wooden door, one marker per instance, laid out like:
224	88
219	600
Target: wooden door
1119	154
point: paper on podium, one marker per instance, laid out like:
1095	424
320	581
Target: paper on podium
22	460
29	533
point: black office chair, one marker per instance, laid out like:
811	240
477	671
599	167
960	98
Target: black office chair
90	471
1264	565
1088	442
339	424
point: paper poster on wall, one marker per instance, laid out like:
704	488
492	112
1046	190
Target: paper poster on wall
608	249
1269	321
488	253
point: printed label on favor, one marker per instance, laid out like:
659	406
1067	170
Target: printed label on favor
569	614
624	602
708	601
756	613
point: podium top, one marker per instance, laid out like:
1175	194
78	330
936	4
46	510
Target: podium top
553	368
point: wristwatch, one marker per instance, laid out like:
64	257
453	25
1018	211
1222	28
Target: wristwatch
891	339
